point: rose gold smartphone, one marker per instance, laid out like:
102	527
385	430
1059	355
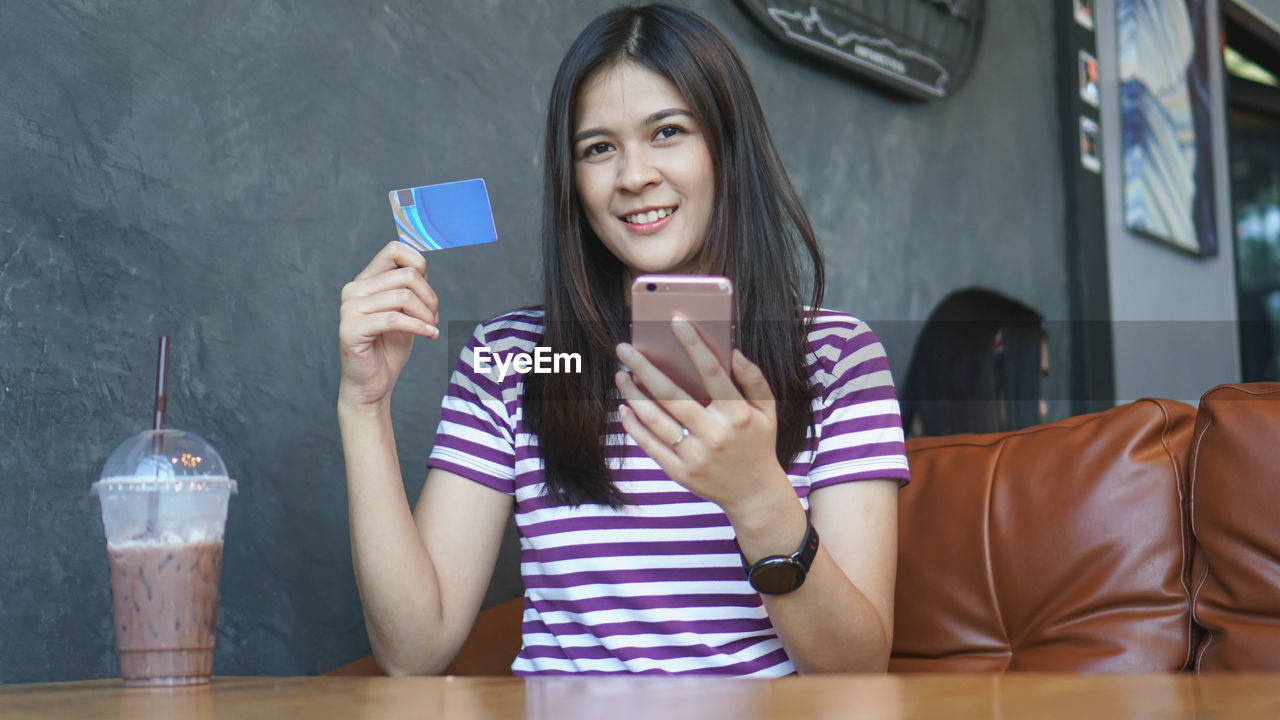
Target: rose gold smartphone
706	301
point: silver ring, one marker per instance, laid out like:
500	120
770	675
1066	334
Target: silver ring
684	433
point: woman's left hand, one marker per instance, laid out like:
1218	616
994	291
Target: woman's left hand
727	453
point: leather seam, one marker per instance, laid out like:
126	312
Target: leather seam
997	438
1198	583
1185	531
991	575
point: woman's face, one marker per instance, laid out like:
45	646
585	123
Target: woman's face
643	171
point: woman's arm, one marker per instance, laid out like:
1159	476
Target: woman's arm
841	618
420	580
421	576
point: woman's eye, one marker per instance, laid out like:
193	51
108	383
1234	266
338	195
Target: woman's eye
595	149
668	131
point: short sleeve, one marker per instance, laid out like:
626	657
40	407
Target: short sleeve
475	438
861	436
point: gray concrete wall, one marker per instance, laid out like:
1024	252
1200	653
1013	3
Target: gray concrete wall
217	171
1174	315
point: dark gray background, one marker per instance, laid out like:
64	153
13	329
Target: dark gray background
216	171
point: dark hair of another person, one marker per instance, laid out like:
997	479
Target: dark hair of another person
758	236
976	367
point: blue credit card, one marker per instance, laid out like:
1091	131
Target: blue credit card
448	215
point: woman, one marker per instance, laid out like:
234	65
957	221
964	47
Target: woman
978	367
657	160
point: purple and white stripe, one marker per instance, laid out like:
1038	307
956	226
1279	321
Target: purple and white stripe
656	586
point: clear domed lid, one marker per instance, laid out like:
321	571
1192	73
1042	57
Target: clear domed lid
163	456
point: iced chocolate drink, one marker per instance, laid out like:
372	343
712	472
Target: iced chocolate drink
164	500
164	599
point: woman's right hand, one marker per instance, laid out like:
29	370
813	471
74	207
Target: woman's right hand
382	309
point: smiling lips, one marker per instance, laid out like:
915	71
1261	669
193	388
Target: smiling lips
649	221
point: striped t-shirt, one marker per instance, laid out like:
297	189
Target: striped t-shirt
656	586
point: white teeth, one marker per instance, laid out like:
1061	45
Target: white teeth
651	216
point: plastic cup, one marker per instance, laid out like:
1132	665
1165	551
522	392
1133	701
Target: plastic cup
164	496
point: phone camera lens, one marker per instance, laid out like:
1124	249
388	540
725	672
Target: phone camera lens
651	287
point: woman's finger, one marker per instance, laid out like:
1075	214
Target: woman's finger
393	255
659	450
390	280
660	388
400	300
718	383
360	329
648	411
754	385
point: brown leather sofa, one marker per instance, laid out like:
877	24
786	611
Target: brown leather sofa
1141	539
1145	538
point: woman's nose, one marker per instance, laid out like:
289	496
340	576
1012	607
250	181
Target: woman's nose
637	171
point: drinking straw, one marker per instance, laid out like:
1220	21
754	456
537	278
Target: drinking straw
162	367
157	440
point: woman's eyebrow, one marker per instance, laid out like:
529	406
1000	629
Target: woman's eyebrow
658	116
664	114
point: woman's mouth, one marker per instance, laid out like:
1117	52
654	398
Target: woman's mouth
648	217
649	221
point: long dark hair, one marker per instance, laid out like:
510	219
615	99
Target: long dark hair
758	236
976	367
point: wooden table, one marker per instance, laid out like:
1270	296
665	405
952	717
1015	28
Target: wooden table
956	697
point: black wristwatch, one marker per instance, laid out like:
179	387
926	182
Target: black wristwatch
781	574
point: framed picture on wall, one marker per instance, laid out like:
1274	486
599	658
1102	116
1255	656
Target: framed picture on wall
1088	78
1084	13
1165	109
1090	157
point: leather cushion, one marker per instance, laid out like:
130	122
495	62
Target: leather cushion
1056	548
1235	516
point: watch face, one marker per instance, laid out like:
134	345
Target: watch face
777	576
